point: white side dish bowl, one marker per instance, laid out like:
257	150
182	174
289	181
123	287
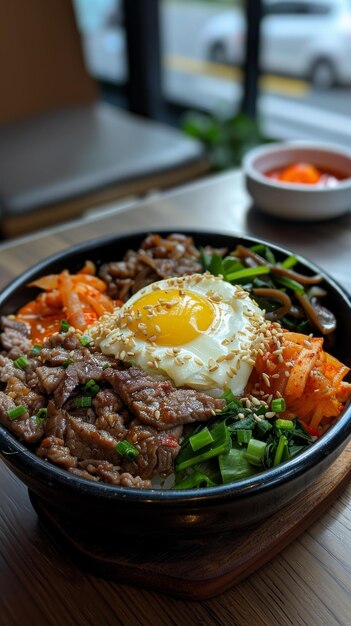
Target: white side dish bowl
307	202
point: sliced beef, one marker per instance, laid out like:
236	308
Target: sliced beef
8	370
83	474
159	403
85	441
158	257
25	427
50	377
23	395
54	450
76	374
56	421
111	414
15	337
157	450
102	470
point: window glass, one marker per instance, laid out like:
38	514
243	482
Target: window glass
104	43
202	51
305	87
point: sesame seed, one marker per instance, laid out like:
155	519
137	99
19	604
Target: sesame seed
157	415
278	394
286	373
266	379
269	414
122	355
307	343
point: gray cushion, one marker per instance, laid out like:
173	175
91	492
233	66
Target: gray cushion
76	151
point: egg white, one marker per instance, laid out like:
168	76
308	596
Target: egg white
219	358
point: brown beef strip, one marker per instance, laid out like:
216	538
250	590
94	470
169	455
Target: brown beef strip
22	394
158	403
9	370
53	449
26	427
111	414
85	441
50	377
15	337
56	421
157	450
76	374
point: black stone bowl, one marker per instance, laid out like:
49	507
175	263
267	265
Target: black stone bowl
189	512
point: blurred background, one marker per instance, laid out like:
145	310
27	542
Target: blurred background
100	93
304	55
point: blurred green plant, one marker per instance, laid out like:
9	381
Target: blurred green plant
226	139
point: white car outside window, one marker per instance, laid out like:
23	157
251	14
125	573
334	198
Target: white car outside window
305	38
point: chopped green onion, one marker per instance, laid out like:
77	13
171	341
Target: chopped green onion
249	272
289	262
278	405
201	439
127	450
41	415
194	481
85	340
285	424
243	435
289	283
282	451
255	451
16	412
37	348
220	445
91	388
83	402
21	362
64	326
106	365
67	363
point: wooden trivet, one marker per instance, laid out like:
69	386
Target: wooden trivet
202	568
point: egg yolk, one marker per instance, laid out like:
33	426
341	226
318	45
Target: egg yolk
170	318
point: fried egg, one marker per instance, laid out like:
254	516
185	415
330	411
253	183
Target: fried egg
198	330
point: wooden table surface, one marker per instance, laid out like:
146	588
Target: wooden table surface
308	583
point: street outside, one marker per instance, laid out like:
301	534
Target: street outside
288	106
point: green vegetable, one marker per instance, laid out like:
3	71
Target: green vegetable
16	412
64	326
234	465
67	363
290	262
21	363
85	340
37	348
248	272
243	435
282	452
83	402
255	451
278	405
289	283
201	439
195	481
220	445
91	388
284	424
41	415
127	450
